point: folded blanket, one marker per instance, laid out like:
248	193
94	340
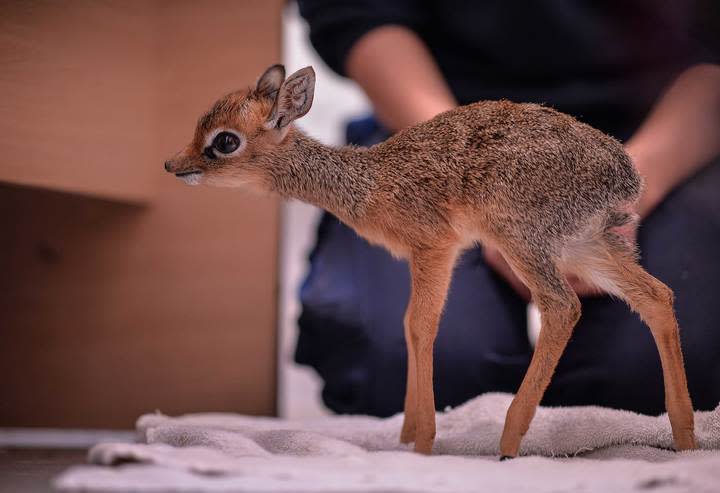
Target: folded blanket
567	449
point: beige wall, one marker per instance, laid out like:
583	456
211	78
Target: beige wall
123	291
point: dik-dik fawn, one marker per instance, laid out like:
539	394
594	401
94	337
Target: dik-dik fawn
550	193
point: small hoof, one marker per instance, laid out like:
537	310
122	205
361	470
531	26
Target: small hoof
687	443
506	457
423	448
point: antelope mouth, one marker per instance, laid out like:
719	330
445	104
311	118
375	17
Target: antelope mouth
180	174
192	177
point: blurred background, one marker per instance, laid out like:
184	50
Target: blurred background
123	290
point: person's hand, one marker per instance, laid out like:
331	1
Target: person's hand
495	260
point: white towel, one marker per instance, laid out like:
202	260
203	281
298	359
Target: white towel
567	449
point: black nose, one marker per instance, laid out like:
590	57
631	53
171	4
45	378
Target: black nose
168	166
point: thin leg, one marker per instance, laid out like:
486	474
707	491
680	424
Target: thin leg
431	272
559	310
653	301
407	434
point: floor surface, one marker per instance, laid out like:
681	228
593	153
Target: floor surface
31	470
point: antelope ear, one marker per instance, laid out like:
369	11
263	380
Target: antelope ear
270	81
294	98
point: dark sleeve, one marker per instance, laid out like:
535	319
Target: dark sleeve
705	28
335	25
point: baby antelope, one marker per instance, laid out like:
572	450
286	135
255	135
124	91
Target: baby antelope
550	193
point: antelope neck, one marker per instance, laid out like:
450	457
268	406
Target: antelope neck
336	179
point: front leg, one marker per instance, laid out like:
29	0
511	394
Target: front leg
431	271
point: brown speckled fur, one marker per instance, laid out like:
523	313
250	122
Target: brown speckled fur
546	190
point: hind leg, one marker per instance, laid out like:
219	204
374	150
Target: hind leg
560	310
611	265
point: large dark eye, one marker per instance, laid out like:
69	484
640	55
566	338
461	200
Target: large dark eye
226	142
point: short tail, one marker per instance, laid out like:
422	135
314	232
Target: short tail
618	224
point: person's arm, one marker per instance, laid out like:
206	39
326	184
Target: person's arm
681	135
399	75
376	43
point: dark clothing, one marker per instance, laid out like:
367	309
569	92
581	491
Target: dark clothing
603	62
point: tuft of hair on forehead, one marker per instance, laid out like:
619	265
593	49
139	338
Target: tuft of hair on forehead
240	107
224	109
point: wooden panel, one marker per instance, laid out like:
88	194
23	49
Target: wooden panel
78	92
110	310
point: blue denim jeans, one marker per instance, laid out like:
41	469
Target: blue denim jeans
354	298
